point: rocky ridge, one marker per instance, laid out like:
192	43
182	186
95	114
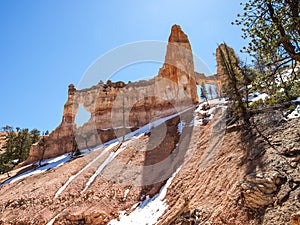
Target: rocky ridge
173	89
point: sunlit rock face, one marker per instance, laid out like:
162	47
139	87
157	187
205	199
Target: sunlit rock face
115	108
179	64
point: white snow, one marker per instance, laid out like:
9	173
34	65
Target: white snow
297	100
111	156
148	211
83	169
15	161
211	111
257	96
48	164
295	113
285	75
217	101
196	122
181	124
55	162
126	193
149	126
53	220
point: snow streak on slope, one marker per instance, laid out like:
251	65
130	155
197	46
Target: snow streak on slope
48	164
138	132
62	159
104	164
51	222
83	169
53	163
149	126
149	210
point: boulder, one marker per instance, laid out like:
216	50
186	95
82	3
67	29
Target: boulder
259	190
295	219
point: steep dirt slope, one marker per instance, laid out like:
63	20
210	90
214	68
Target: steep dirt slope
74	193
210	186
253	178
228	176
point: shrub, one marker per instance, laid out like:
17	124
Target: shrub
292	108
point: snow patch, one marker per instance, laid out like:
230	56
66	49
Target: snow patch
285	76
126	193
253	97
149	126
83	169
295	113
181	124
149	210
297	100
47	165
102	166
218	101
211	111
55	162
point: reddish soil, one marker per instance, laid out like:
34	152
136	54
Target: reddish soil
208	184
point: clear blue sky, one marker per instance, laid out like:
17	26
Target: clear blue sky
46	45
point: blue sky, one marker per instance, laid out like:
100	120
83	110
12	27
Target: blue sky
46	45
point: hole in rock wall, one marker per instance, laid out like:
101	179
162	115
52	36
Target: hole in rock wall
82	116
211	91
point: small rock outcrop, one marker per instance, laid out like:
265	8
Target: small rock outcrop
259	190
295	219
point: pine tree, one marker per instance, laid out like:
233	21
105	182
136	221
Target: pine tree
43	144
204	92
17	146
234	81
210	91
6	158
35	135
273	28
75	149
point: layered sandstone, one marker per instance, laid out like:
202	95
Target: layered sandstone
222	73
116	108
179	63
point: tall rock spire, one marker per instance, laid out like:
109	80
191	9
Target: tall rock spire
179	63
221	71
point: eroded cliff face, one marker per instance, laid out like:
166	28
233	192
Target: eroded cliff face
179	63
113	106
116	108
222	74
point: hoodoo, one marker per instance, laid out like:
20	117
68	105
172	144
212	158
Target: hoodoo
172	90
179	63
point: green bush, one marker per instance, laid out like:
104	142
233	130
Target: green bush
292	108
271	101
257	104
17	146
